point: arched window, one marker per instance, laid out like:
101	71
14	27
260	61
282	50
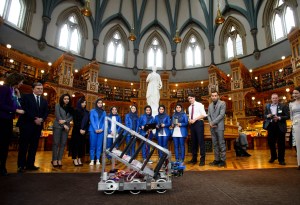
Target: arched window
193	49
193	53
232	39
13	11
155	55
279	18
115	50
69	35
154	51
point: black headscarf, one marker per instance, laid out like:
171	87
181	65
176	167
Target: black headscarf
111	114
162	116
134	117
178	115
149	117
98	110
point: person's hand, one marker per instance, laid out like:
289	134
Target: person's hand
276	118
61	121
178	124
66	127
269	115
82	131
38	121
162	125
191	121
19	111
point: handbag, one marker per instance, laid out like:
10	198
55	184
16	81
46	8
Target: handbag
266	124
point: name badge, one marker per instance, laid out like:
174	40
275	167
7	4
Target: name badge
279	111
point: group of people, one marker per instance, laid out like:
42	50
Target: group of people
276	114
32	111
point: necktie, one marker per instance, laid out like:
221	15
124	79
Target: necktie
38	101
192	114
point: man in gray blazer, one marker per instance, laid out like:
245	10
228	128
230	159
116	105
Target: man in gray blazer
216	114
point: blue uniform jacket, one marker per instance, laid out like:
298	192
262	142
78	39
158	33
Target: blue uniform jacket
184	124
143	122
118	118
129	123
96	122
166	120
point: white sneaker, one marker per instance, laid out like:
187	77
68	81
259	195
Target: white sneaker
97	162
92	163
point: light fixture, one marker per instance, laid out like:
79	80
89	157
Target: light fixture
228	75
284	97
229	98
287	90
105	80
219	19
8	46
76	70
73	95
177	38
86	10
49	64
45	94
280	70
255	77
176	84
259	102
282	57
42	71
1	82
250	70
132	36
253	98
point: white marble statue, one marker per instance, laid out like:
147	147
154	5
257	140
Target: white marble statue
153	95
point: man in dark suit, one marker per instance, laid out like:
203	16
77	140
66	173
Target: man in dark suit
277	114
31	124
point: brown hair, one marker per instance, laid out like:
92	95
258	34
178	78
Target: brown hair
14	79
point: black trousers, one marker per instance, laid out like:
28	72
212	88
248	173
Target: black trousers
276	136
6	132
197	134
28	144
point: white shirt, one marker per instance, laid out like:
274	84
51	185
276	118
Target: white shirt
198	110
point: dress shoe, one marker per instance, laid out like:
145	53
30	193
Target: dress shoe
21	170
54	164
222	164
75	162
282	163
32	168
202	163
192	161
272	160
59	163
214	163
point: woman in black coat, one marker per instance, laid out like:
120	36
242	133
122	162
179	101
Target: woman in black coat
81	122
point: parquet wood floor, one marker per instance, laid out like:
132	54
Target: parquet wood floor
258	160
